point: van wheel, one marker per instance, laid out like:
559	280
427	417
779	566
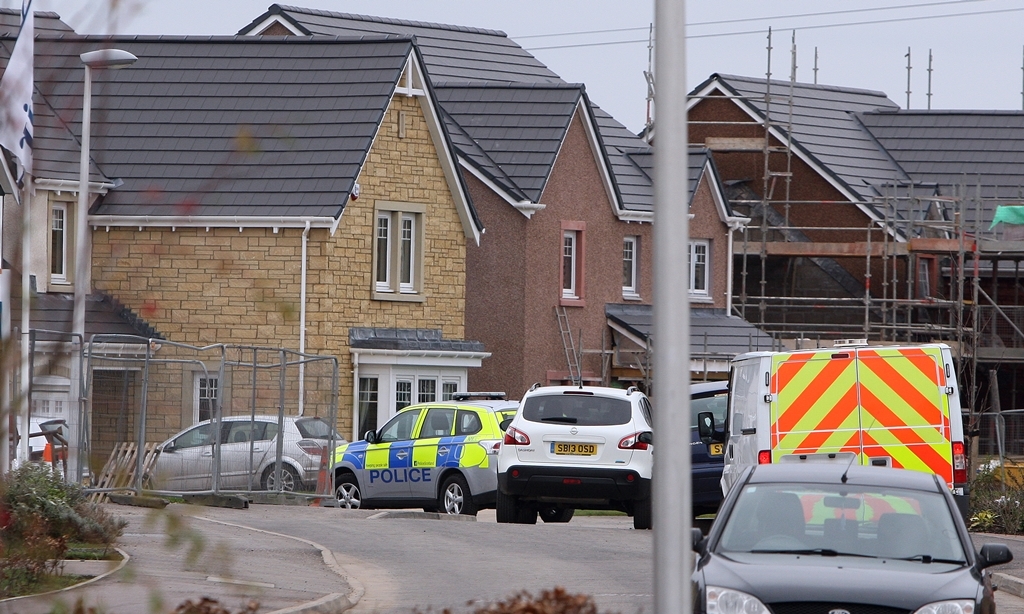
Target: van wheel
455	497
527	515
347	491
642	514
556	514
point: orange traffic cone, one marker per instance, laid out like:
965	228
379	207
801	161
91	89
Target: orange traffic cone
323	485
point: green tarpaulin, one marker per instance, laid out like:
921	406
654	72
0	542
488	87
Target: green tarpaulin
1008	214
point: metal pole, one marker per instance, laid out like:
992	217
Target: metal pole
140	441
81	278
280	424
672	485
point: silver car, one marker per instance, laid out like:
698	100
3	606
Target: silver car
248	452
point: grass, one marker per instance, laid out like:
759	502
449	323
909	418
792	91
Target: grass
86	552
49	583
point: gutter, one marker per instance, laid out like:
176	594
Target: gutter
66	185
421	353
635	216
214	221
734	223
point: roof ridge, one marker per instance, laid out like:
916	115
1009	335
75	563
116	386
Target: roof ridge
222	38
522	85
388	20
817	86
44	14
943	112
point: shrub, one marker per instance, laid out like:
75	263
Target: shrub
995	508
40	514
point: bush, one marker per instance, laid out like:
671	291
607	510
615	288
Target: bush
39	515
995	509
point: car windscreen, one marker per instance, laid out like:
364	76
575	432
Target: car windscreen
718	405
316	428
831	519
580	409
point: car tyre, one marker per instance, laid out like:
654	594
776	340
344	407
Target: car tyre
527	515
290	481
506	508
347	491
556	514
642	514
455	497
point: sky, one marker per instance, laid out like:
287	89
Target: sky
977	46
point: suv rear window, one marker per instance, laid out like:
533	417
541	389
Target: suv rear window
584	410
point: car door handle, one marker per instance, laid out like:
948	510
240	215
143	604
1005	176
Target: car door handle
208	453
442	450
401	455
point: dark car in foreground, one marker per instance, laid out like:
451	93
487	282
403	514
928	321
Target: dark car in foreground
706	459
831	538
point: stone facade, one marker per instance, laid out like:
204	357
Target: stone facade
242	286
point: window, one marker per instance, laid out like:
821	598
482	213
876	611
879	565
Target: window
630	256
201	435
925	266
427	390
398	251
383	254
699	267
468	423
368	394
403	394
438	422
205	398
569	242
400	427
448	389
59	244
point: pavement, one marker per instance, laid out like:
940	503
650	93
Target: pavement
176	555
188	552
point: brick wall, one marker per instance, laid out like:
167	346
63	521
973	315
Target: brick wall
222	285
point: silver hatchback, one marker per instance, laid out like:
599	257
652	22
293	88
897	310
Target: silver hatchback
248	452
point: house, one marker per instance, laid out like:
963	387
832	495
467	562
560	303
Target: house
298	194
565	191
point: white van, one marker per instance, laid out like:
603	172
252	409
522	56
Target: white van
890	406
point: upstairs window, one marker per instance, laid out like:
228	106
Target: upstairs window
699	267
398	252
573	256
630	267
569	243
59	244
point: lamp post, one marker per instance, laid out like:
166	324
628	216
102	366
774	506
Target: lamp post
101	58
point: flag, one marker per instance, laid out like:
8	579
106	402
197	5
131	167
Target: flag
16	94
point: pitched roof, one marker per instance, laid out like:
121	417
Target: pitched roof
958	152
408	339
224	125
519	126
824	127
713	333
46	22
456	54
451	53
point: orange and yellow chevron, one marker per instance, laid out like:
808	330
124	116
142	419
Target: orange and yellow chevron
880	402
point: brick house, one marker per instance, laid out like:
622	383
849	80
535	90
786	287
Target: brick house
564	190
255	192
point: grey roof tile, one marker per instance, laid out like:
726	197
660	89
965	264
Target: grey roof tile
409	339
713	333
46	22
170	126
463	55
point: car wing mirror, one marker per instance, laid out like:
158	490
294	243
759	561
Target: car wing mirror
645	437
168	448
994	554
697	536
503	425
370	436
706	426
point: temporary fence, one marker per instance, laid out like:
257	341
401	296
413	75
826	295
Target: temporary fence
172	419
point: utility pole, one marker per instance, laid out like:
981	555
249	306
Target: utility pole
929	79
908	77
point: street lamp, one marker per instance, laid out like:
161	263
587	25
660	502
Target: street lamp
101	58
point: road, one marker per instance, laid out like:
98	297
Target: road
424	564
420	563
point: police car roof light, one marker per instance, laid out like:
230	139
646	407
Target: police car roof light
479	396
848	343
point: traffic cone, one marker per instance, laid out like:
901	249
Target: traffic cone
322	483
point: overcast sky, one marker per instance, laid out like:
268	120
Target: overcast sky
978	45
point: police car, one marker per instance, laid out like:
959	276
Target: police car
438	456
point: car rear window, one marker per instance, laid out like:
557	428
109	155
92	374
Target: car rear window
315	428
581	409
718	405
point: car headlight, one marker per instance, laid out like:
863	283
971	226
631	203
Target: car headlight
955	606
729	601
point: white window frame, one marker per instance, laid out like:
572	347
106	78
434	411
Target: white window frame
398	243
62	209
201	384
412	391
570	258
382	231
694	264
449	387
407	254
630	247
420	394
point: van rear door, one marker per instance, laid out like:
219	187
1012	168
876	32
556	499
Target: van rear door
905	409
